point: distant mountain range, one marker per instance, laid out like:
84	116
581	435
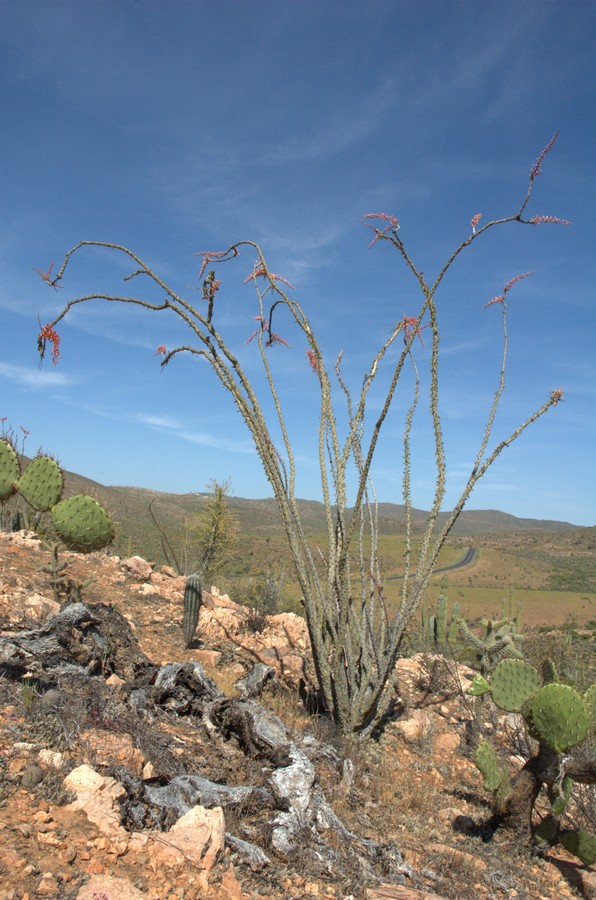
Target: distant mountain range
129	506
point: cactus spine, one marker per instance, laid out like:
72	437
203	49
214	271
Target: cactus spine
193	594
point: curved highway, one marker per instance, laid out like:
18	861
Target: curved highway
468	559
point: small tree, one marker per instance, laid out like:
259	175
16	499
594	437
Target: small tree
355	640
212	534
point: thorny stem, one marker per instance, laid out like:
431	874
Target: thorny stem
355	643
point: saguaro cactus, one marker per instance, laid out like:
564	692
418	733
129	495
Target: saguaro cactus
193	595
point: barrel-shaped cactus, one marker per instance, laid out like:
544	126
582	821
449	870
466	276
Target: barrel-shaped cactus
83	524
193	595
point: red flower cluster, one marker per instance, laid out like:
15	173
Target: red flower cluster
556	396
541	220
379	232
47	333
537	167
411	326
259	272
312	361
47	277
215	256
474	222
501	297
272	338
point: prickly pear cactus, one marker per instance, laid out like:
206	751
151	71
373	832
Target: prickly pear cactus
558	716
83	524
496	776
560	795
9	469
513	683
42	483
488	764
193	594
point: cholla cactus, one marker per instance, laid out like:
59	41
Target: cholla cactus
499	642
82	523
558	718
437	627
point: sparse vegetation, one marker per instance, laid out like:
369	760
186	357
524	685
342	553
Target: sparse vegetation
356	635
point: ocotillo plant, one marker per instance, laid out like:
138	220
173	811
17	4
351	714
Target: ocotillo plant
558	718
355	638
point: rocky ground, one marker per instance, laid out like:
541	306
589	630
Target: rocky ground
131	766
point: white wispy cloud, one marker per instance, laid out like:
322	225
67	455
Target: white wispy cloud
33	378
158	421
332	133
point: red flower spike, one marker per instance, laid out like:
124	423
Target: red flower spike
312	361
380	232
47	277
47	333
556	396
259	272
501	297
272	338
410	326
513	281
474	222
161	351
537	167
215	256
554	220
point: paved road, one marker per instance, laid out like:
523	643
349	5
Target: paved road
468	559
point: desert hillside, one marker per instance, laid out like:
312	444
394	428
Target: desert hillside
136	767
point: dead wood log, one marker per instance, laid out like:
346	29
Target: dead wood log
258	731
248	853
251	685
185	791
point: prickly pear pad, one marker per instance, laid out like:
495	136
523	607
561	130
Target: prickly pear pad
558	717
9	469
513	683
479	686
83	524
42	483
582	844
488	764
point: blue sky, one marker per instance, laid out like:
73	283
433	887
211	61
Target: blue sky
176	127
